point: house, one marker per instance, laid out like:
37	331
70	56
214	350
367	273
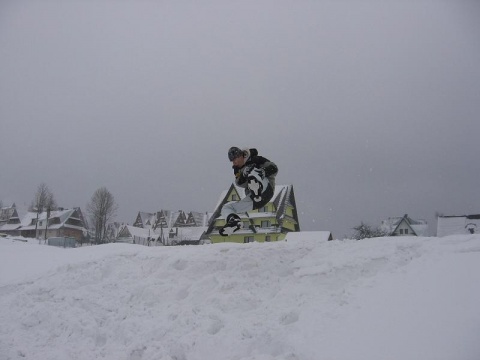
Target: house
270	223
160	236
455	225
170	219
166	227
404	226
136	235
9	220
60	223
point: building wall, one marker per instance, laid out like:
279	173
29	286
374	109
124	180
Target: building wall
457	225
404	230
244	238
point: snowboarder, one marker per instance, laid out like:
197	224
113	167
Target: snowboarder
256	175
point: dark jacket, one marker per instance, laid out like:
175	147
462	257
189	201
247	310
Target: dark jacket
255	160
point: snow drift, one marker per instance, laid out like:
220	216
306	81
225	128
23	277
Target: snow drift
386	298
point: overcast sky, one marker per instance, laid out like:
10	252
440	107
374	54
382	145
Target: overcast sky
369	108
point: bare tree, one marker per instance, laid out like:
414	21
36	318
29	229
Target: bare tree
365	231
102	208
43	201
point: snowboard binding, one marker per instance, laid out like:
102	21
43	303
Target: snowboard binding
257	182
234	223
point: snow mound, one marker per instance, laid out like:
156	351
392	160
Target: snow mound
386	298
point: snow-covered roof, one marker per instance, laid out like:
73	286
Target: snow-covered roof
190	233
309	235
129	230
172	218
9	227
62	215
181	233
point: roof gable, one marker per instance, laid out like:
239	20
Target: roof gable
283	198
418	227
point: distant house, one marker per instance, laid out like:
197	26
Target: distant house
60	223
170	219
166	227
135	235
168	236
404	226
9	220
270	223
456	225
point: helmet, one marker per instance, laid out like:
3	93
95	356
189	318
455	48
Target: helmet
234	152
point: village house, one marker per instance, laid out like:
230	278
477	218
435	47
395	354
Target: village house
270	223
60	223
166	227
9	220
404	226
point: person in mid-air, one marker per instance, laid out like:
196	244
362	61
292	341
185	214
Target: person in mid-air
256	175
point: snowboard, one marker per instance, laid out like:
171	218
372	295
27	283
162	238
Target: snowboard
257	183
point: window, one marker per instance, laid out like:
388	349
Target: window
267	238
234	197
248	239
265	224
263	209
401	231
406	231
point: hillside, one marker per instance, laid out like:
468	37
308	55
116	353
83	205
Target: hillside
377	299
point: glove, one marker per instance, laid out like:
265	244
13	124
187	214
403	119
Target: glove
247	169
260	172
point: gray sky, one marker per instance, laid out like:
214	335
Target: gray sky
369	108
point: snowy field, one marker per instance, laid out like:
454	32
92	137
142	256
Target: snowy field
376	299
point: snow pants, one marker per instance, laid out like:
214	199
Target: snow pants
246	204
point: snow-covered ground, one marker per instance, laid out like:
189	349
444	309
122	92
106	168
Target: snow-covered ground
376	299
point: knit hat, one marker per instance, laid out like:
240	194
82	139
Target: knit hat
234	152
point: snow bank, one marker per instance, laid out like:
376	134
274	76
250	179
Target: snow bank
387	298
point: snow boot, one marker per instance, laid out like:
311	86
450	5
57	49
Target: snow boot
234	223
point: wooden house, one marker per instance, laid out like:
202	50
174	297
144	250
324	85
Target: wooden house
60	223
9	220
270	223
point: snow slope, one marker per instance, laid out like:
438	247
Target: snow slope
386	298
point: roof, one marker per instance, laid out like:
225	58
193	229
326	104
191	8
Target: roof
181	233
133	231
172	218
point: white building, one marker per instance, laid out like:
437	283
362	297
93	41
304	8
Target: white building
456	225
